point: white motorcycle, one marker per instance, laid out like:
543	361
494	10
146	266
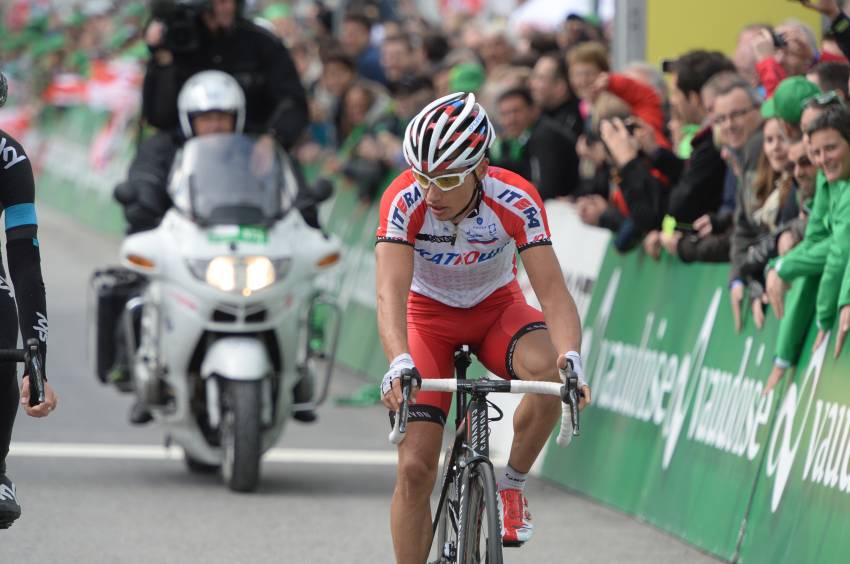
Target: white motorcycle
220	335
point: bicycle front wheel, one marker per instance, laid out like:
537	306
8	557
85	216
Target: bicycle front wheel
479	534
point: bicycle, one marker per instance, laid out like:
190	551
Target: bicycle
468	495
31	356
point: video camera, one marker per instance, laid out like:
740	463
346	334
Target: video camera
182	19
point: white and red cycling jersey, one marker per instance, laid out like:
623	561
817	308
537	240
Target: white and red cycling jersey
460	265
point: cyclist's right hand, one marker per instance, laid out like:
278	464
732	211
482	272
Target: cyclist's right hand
43	409
391	384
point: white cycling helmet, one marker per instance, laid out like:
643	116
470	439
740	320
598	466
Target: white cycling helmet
210	91
452	132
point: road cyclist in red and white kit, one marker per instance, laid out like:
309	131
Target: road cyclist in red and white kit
450	230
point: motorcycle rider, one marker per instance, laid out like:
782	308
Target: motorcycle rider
25	307
210	102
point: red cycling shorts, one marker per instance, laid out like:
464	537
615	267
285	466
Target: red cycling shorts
491	329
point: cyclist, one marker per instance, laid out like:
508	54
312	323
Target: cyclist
446	275
22	304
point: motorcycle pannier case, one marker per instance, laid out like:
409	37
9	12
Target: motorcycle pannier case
111	288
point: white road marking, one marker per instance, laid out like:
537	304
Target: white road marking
159	452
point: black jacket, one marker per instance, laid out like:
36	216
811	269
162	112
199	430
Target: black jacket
841	29
144	195
700	188
275	98
568	116
643	190
547	158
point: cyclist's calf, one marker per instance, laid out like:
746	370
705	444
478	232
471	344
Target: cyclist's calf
418	458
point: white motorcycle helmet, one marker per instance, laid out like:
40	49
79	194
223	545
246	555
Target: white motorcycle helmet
210	91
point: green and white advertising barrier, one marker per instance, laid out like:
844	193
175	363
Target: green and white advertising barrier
680	433
70	175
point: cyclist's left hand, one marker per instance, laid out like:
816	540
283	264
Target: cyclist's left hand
579	370
43	409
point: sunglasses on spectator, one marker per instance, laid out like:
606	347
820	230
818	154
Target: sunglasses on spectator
823	100
445	182
802	162
720	119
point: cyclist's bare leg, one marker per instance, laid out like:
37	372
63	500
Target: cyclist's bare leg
410	512
534	359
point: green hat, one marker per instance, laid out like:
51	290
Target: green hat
466	77
788	99
276	11
134	10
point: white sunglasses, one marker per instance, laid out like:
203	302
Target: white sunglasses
445	182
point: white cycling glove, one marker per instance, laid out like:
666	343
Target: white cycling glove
565	435
402	362
575	358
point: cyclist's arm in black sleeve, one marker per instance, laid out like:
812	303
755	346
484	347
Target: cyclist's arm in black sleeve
22	246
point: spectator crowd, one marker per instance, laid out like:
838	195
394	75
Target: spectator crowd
741	158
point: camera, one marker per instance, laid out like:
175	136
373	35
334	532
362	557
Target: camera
182	19
631	125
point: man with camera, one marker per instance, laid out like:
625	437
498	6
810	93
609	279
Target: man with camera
189	36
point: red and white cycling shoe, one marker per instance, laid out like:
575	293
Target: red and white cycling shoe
516	519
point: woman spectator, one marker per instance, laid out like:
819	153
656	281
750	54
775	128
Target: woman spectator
766	201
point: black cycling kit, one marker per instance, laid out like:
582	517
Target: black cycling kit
17	198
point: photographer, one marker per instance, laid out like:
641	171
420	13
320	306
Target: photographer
189	36
642	173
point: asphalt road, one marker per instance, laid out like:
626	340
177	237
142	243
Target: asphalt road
95	489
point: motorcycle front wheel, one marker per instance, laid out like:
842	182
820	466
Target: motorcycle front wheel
240	435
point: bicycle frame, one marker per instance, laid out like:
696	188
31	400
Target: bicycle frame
470	428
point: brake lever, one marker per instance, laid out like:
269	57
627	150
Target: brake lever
573	395
407	378
404	408
35	373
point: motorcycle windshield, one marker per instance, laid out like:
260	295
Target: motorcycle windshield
232	179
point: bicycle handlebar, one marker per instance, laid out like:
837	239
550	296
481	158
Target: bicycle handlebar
31	356
568	392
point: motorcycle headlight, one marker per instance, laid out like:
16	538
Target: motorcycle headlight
259	273
239	274
222	273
